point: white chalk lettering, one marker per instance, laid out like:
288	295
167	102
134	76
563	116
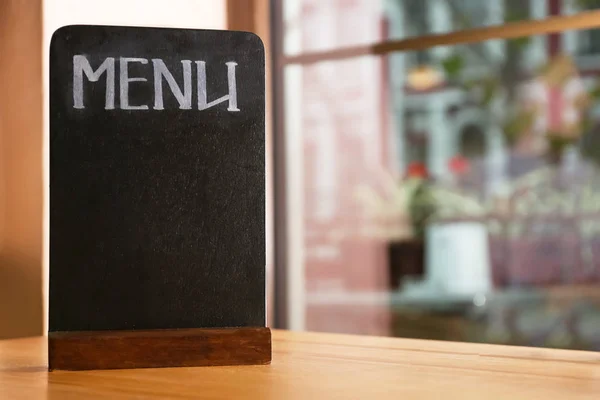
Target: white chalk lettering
183	94
161	71
203	103
124	80
81	65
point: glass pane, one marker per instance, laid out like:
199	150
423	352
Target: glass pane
320	25
450	194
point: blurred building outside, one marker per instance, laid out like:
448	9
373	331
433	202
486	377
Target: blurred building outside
479	151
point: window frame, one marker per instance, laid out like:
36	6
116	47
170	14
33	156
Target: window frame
289	303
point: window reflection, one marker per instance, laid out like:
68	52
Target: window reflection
451	193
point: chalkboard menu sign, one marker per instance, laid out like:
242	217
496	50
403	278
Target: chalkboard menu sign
157	193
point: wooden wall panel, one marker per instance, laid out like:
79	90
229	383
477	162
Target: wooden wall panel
21	133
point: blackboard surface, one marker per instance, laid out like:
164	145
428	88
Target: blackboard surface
157	184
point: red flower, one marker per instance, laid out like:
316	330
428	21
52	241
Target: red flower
417	170
459	165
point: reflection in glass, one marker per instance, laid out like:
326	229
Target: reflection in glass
463	208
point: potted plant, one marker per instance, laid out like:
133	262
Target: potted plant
397	213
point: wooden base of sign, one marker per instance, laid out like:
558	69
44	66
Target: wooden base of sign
158	348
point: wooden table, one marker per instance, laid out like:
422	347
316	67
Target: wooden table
323	366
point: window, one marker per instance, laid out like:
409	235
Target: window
438	173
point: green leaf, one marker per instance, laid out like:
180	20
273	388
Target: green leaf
588	4
453	66
514	15
471	84
517	125
595	92
521	43
490	86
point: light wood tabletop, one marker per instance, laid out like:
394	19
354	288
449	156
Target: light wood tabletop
323	366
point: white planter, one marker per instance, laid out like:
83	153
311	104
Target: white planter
458	258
